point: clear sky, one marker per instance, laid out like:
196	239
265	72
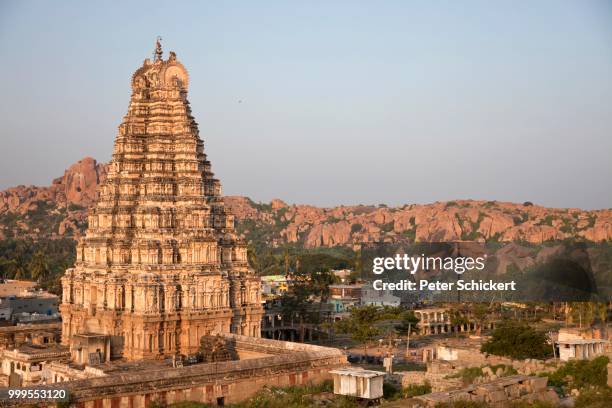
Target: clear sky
341	102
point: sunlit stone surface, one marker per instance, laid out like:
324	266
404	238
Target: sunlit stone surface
160	265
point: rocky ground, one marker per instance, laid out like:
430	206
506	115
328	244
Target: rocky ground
60	210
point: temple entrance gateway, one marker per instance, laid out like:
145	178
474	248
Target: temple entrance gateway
160	264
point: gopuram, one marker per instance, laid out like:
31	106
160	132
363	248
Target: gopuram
160	265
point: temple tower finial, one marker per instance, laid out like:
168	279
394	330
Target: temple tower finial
158	50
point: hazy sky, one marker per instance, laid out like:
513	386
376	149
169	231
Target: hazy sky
342	102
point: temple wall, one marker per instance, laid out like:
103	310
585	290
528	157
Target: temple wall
229	390
285	364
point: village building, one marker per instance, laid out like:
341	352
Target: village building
580	344
581	349
13	287
29	306
344	296
357	382
274	285
23	366
371	296
343	274
13	336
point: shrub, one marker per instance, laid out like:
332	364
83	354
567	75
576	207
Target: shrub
548	220
507	369
517	341
468	374
391	391
581	373
296	396
414	390
594	397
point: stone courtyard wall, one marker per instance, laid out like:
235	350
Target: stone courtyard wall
231	381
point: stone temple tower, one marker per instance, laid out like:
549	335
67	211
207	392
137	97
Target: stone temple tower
160	265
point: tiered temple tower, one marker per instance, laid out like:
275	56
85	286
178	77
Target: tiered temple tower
160	264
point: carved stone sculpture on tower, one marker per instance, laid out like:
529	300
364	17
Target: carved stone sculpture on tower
160	265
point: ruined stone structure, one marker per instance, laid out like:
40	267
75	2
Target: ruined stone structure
136	384
160	265
24	365
438	321
501	392
12	337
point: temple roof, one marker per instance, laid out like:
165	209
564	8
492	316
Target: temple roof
160	73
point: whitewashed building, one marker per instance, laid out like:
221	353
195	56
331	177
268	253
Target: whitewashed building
357	382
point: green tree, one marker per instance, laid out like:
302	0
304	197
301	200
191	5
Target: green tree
19	272
39	267
252	257
518	341
296	304
319	283
409	321
583	313
7	268
360	325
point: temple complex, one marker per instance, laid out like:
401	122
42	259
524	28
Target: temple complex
161	304
160	265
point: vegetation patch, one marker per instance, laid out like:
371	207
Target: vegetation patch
580	373
518	341
414	390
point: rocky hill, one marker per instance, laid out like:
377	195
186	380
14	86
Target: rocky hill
60	210
440	221
52	211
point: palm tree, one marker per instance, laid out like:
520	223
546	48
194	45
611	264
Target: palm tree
4	267
19	271
39	267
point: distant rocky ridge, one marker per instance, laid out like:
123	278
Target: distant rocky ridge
440	221
60	210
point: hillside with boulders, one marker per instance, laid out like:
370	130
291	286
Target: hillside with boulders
54	211
60	210
441	221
